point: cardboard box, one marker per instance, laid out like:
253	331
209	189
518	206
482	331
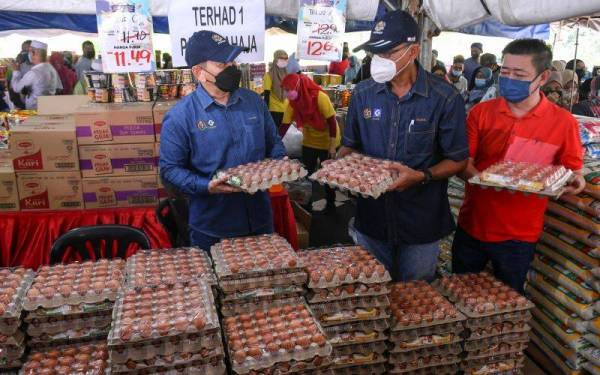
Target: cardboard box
67	120
9	196
128	191
60	104
5	158
114	123
45	146
159	111
118	160
50	191
157	153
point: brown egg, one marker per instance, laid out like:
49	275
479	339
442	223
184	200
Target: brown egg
328	275
69	352
287	344
260	315
49	362
199	322
255	352
36	357
272	347
66	360
126	332
239	356
236	345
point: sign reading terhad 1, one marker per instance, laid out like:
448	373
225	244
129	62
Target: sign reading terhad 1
241	22
321	25
125	32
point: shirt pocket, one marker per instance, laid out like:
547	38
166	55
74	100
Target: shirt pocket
531	151
254	136
419	138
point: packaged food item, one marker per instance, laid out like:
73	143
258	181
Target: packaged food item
571	356
74	359
75	283
554	356
560	312
357	333
175	360
584	202
496	345
503	364
342	265
579	269
495	329
449	369
168	266
347	291
516	318
567	335
357	174
593	338
478	295
210	366
37	327
526	176
261	175
373	369
560	294
561	225
592	354
359	354
238	302
592	368
427	357
570	248
352	310
12	348
284	332
14	283
575	216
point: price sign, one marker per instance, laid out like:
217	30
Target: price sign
125	32
321	24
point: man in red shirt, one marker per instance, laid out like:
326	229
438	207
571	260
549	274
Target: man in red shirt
520	125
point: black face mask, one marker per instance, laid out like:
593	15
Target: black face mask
580	73
90	54
229	79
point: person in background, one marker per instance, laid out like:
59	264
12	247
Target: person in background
365	69
570	83
591	106
482	87
22	59
167	61
273	93
455	76
472	62
293	64
68	77
553	88
68	59
434	60
440	71
580	69
596	71
219	126
339	67
488	60
405	114
310	107
41	80
558	66
82	85
352	70
520	125
85	61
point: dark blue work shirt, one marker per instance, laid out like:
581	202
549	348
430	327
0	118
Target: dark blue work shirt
199	137
421	129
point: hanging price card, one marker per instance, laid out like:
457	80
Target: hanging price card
125	32
321	25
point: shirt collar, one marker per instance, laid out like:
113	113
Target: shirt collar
538	111
206	100
420	87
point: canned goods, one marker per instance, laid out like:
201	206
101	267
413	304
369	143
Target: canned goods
186	89
168	91
144	94
91	93
98	80
120	80
102	95
187	76
145	80
168	76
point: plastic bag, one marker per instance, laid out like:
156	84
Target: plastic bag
292	141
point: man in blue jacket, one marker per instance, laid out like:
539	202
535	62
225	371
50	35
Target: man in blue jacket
219	126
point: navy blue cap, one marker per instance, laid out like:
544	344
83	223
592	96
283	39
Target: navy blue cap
206	45
393	29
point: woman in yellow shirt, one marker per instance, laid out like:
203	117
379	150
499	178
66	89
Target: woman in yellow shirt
313	112
273	92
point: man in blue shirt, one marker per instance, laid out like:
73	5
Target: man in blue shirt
472	62
409	115
219	126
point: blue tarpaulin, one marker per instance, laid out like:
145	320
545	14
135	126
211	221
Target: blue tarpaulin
492	27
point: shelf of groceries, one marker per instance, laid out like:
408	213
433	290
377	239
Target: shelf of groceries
258	306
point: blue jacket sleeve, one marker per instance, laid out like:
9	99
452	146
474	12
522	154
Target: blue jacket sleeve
175	157
273	143
351	136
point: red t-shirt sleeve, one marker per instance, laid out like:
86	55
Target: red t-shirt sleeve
473	131
571	152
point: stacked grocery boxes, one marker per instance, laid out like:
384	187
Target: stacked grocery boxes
426	331
497	330
165	319
563	280
348	292
9	196
267	324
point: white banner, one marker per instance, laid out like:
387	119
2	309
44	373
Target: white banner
321	26
242	22
125	35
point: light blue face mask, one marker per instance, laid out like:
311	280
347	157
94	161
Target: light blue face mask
456	73
30	56
514	90
480	82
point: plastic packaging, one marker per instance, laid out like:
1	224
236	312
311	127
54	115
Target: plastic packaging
526	176
75	283
239	302
168	360
372	369
446	369
74	359
592	368
332	267
516	317
548	288
563	226
262	286
361	354
568	336
14	285
263	174
570	355
570	248
575	216
347	291
558	311
352	310
417	304
211	366
493	365
425	341
281	333
478	295
584	202
357	174
357	333
491	343
428	357
79	309
593	338
168	266
38	327
11	348
554	356
573	265
496	329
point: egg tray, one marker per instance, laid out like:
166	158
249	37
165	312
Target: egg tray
494	364
187	343
11	367
357	333
139	271
374	347
12	347
347	291
474	345
424	342
10	354
311	366
554	191
498	349
37	327
426	353
487	308
358	359
516	317
348	311
202	315
69	359
261	175
75	293
331	267
70	336
445	369
70	310
264	304
371	369
231	306
456	328
172	360
288	263
496	329
214	366
12	293
249	286
422	363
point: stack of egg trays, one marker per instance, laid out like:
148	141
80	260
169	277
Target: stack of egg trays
192	350
14	283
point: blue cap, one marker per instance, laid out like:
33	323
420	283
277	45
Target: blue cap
393	29
206	45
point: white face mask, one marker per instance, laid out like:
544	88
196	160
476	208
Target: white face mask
384	70
281	63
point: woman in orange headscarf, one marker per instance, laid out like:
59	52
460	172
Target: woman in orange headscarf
311	109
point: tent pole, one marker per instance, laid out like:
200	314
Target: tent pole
575	67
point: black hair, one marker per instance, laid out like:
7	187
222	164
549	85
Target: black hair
439	67
87	42
540	52
572	64
584	89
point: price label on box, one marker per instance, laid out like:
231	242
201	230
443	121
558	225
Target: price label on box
321	25
125	32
